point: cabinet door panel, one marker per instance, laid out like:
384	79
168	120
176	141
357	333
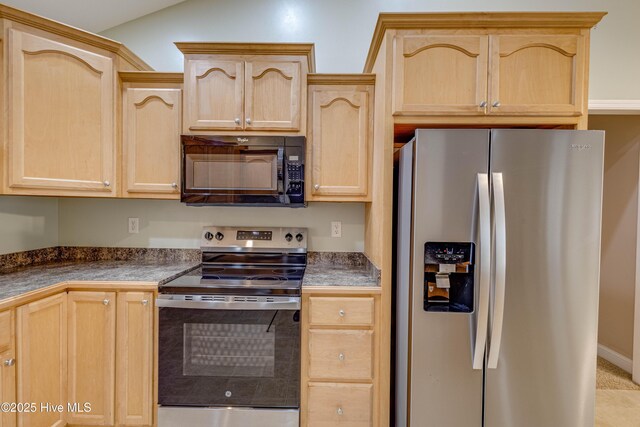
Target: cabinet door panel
60	117
213	94
440	74
273	95
339	144
42	368
135	358
91	352
7	365
537	74
152	141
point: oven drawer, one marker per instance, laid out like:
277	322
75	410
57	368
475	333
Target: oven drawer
339	405
327	311
341	355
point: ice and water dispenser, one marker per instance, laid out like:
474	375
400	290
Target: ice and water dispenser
449	276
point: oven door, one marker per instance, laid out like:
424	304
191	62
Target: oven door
227	171
226	351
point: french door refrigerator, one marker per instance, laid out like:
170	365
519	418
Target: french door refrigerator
498	271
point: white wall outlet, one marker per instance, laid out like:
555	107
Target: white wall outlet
134	224
336	228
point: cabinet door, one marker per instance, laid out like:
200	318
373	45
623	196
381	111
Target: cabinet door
335	404
213	94
152	142
91	356
537	74
7	366
135	358
341	132
61	136
42	369
272	95
440	74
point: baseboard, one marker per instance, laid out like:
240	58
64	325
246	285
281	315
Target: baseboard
616	358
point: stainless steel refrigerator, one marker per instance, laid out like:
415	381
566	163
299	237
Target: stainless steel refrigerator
498	248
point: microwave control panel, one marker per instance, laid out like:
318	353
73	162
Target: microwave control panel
294	171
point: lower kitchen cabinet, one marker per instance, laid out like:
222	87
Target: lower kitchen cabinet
42	366
7	366
340	358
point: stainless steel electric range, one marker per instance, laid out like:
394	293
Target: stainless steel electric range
229	335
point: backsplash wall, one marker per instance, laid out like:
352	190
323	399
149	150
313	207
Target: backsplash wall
27	223
171	224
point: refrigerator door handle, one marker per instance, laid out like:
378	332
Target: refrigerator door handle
500	248
484	242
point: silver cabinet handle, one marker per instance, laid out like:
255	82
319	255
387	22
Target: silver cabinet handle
317	186
105	302
145	301
341	356
174	185
237	120
248	121
341	313
9	362
496	104
339	411
106	183
483	104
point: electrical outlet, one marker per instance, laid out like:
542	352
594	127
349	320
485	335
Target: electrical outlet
134	224
336	228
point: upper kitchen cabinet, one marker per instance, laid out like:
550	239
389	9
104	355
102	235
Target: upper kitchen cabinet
59	107
151	123
485	68
236	88
339	155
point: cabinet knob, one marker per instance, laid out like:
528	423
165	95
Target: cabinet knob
496	104
237	120
9	362
341	356
248	121
174	184
483	104
317	186
145	301
341	313
105	302
339	411
106	183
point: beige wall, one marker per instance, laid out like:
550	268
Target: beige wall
342	30
619	230
27	223
170	224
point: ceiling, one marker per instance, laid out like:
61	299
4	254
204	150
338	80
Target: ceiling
91	15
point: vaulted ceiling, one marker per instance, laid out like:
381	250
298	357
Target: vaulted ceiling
91	15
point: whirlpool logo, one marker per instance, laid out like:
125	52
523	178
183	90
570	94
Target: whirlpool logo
580	147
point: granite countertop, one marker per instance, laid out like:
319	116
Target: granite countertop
30	278
339	275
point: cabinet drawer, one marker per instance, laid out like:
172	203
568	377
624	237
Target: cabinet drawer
6	331
339	405
340	355
325	311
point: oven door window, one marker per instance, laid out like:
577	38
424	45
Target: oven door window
229	358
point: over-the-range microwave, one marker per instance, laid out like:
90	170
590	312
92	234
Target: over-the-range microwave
243	170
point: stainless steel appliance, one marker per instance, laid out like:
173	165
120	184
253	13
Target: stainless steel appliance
229	333
512	216
243	170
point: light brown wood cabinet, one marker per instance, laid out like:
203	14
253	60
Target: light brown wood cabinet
41	335
61	118
91	332
340	357
246	87
339	142
489	72
152	120
7	366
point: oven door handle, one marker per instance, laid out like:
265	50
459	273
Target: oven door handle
280	303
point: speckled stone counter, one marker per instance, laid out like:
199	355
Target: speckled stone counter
340	269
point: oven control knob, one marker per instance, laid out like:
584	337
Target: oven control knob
219	236
299	237
208	236
288	237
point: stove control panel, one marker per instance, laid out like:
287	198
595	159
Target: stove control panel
254	238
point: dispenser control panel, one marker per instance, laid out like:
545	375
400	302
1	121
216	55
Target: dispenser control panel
449	276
